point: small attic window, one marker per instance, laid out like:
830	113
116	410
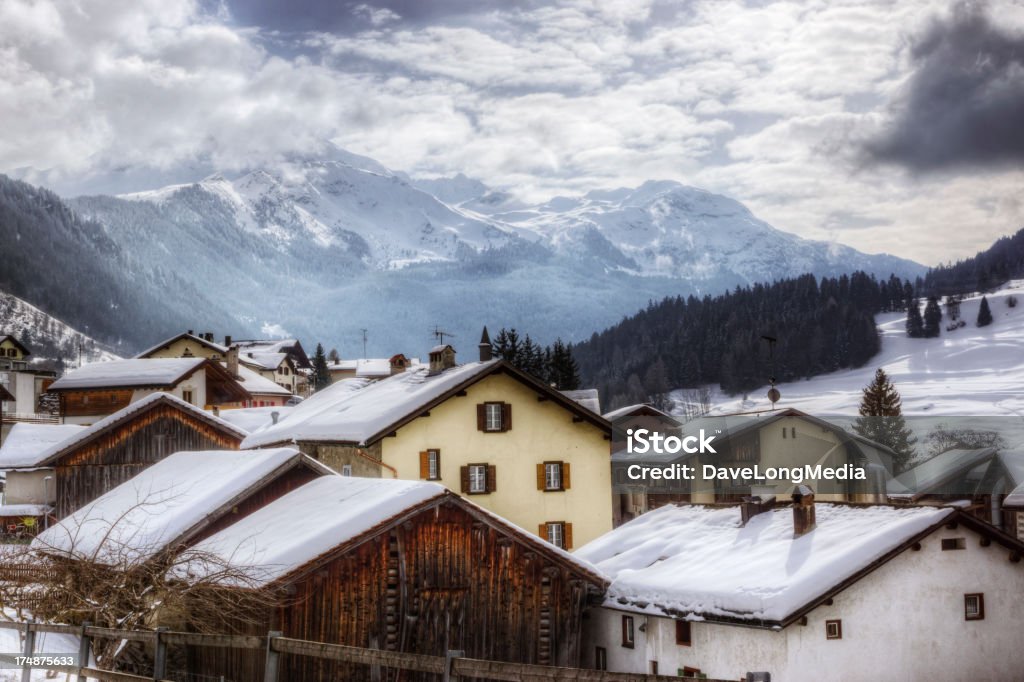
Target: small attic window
953	543
974	606
833	629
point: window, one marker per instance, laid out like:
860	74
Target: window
974	606
654	667
953	543
477	478
833	629
346	469
687	671
600	658
430	464
187	396
683	636
553	476
493	417
792	431
783	431
628	635
558	533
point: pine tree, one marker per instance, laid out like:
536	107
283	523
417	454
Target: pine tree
881	420
984	313
321	375
932	318
915	323
333	356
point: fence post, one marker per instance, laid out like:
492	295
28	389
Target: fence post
30	646
270	671
160	656
84	652
449	662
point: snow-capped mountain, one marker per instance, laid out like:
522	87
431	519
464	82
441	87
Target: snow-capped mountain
328	245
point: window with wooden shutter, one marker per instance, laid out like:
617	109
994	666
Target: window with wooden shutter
542	531
566	478
541	485
481	417
477	479
506	417
430	464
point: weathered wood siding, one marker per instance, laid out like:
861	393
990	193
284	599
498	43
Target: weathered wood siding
119	454
440	581
93	403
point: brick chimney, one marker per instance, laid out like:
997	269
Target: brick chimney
227	341
803	510
441	358
231	360
485	346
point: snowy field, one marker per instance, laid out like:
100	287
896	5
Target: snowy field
969	371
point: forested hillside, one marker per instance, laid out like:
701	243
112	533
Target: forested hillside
1002	261
819	326
71	269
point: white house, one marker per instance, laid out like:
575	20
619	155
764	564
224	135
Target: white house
812	592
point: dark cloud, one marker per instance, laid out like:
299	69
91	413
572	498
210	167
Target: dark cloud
964	104
357	15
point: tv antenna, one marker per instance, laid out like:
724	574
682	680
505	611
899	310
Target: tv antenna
364	332
439	334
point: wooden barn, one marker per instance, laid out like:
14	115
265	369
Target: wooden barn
116	448
400	566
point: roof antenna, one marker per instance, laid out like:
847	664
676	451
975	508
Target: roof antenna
773	393
364	331
439	334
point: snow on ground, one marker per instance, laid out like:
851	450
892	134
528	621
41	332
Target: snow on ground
969	371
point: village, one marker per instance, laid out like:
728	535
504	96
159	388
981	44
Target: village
465	506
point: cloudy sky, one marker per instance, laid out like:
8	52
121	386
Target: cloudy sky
888	125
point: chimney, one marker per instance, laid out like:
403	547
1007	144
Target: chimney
231	360
754	505
274	416
208	336
227	341
485	346
190	333
441	358
803	510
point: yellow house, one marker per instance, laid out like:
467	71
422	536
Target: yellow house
484	429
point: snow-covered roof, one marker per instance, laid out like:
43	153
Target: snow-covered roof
263	359
270	543
190	337
587	397
252	419
136	372
370	368
943	468
1015	498
639	408
164	503
698	561
341	414
266	345
127	413
257	384
25	509
26	444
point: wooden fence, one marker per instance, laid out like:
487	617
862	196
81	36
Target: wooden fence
449	668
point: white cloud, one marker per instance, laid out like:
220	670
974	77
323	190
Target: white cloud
762	103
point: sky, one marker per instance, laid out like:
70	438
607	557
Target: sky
890	126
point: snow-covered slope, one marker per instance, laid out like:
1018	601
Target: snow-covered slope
970	371
47	337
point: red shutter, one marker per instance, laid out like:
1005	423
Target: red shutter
492	478
424	464
464	479
506	417
481	417
566	477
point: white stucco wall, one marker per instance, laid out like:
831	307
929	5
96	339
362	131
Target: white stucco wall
195	383
905	621
30	487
